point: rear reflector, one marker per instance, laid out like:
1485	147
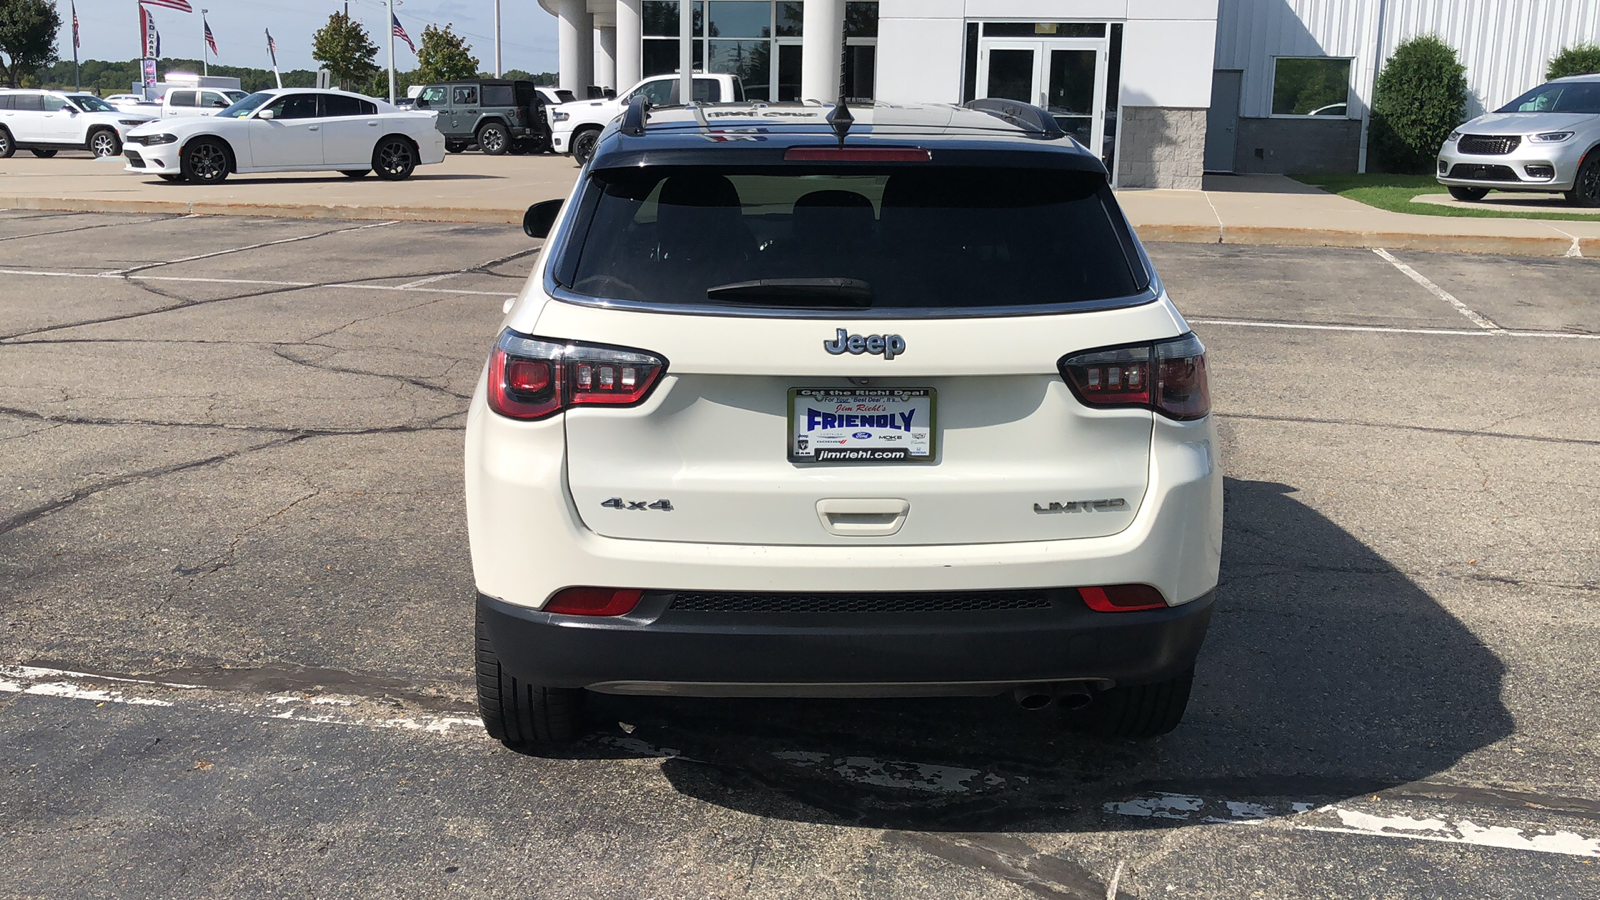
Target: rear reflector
593	601
857	154
1122	598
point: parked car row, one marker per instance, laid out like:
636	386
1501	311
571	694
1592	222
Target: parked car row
46	122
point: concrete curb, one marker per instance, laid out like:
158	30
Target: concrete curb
1156	232
267	210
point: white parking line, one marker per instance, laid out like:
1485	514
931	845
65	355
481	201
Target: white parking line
253	281
477	268
1390	329
1439	292
1344	817
304	237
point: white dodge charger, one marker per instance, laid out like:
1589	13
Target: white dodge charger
288	130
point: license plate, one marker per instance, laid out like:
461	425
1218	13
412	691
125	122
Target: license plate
882	425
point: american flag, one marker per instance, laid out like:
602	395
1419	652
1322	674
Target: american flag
399	31
210	41
179	5
75	44
272	48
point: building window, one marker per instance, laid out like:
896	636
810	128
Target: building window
740	37
1311	86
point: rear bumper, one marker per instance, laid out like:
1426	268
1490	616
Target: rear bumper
656	649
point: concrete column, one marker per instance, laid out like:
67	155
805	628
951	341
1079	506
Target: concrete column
575	46
605	57
822	53
629	43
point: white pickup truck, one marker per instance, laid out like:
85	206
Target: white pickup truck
574	127
198	101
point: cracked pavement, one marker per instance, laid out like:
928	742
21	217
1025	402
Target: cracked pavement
230	468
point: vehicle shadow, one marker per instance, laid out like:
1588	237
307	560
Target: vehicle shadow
1327	674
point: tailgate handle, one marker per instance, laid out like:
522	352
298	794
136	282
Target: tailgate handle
862	518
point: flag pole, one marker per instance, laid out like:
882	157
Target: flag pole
205	55
76	84
390	30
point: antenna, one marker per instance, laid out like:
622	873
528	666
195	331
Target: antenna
840	118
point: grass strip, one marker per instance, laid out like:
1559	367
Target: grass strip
1394	193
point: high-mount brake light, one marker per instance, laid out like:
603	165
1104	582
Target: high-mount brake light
857	154
1114	377
533	378
1122	598
593	601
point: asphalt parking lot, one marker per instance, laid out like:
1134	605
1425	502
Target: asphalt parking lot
235	607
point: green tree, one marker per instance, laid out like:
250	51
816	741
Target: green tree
1421	96
345	50
444	56
27	38
1583	59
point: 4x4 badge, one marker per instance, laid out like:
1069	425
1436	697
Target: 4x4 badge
886	345
619	503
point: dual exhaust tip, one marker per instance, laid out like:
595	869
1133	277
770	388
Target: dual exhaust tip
1069	696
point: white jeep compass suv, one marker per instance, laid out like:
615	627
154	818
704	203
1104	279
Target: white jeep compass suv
800	403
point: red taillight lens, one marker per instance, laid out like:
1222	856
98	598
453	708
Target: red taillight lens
1122	376
593	601
532	378
1122	598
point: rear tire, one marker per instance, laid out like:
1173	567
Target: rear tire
583	144
518	148
394	159
493	139
1139	711
354	173
7	145
104	142
1586	188
42	154
521	715
206	161
1469	195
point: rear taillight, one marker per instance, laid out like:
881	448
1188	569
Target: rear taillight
1122	598
1122	377
593	601
532	378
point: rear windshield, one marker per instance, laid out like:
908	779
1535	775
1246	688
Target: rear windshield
929	237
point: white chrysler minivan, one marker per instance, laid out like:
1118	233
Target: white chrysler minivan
805	403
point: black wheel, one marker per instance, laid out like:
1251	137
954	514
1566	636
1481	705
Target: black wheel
454	146
205	161
518	148
169	177
1138	711
1586	189
583	145
1469	195
354	173
42	154
105	143
7	146
493	139
523	715
394	159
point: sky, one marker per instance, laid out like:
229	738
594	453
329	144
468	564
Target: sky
109	29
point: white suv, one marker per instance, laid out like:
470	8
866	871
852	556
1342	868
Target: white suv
899	412
48	121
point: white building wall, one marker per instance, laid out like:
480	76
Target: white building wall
921	48
1504	44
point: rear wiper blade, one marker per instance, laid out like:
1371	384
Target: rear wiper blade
808	291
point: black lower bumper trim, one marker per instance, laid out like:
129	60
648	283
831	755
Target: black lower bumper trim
656	644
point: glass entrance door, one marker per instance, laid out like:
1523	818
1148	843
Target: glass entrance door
1066	76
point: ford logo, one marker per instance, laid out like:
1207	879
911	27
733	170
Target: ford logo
862	435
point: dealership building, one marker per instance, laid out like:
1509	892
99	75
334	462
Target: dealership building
1165	90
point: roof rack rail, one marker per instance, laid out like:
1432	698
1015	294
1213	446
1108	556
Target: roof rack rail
1022	115
634	117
